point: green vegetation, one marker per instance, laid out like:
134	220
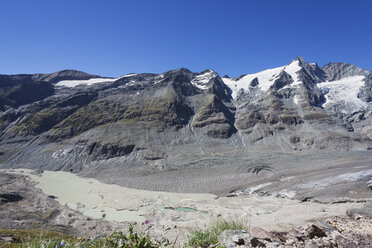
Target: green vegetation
3	124
49	239
209	236
165	109
41	121
37	239
23	237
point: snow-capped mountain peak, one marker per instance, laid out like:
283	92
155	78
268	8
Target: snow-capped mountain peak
265	78
202	80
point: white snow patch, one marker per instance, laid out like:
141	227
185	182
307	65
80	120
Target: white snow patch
292	70
285	193
287	178
233	85
253	189
74	83
344	91
295	99
265	78
201	81
347	177
61	153
159	78
128	75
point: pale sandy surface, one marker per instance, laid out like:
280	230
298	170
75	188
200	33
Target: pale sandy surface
94	199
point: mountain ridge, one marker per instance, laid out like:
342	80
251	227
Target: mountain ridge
164	121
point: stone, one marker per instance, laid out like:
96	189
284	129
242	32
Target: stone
334	234
273	245
260	233
238	240
324	242
281	236
314	231
257	243
291	241
309	244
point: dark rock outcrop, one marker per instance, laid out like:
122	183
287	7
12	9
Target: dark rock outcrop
214	112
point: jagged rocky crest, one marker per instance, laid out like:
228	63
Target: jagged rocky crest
71	120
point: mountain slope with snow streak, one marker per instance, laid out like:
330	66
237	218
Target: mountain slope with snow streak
74	83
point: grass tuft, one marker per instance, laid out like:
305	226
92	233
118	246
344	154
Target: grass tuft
209	236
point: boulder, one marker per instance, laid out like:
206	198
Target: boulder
314	231
260	233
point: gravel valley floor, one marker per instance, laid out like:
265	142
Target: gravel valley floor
278	197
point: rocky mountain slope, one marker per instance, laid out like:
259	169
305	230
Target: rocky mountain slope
74	121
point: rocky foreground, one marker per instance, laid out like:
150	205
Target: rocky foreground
351	231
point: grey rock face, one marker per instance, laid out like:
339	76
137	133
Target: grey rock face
63	75
23	93
254	82
283	80
336	71
214	112
321	74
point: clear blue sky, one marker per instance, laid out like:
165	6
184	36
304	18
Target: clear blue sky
112	38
